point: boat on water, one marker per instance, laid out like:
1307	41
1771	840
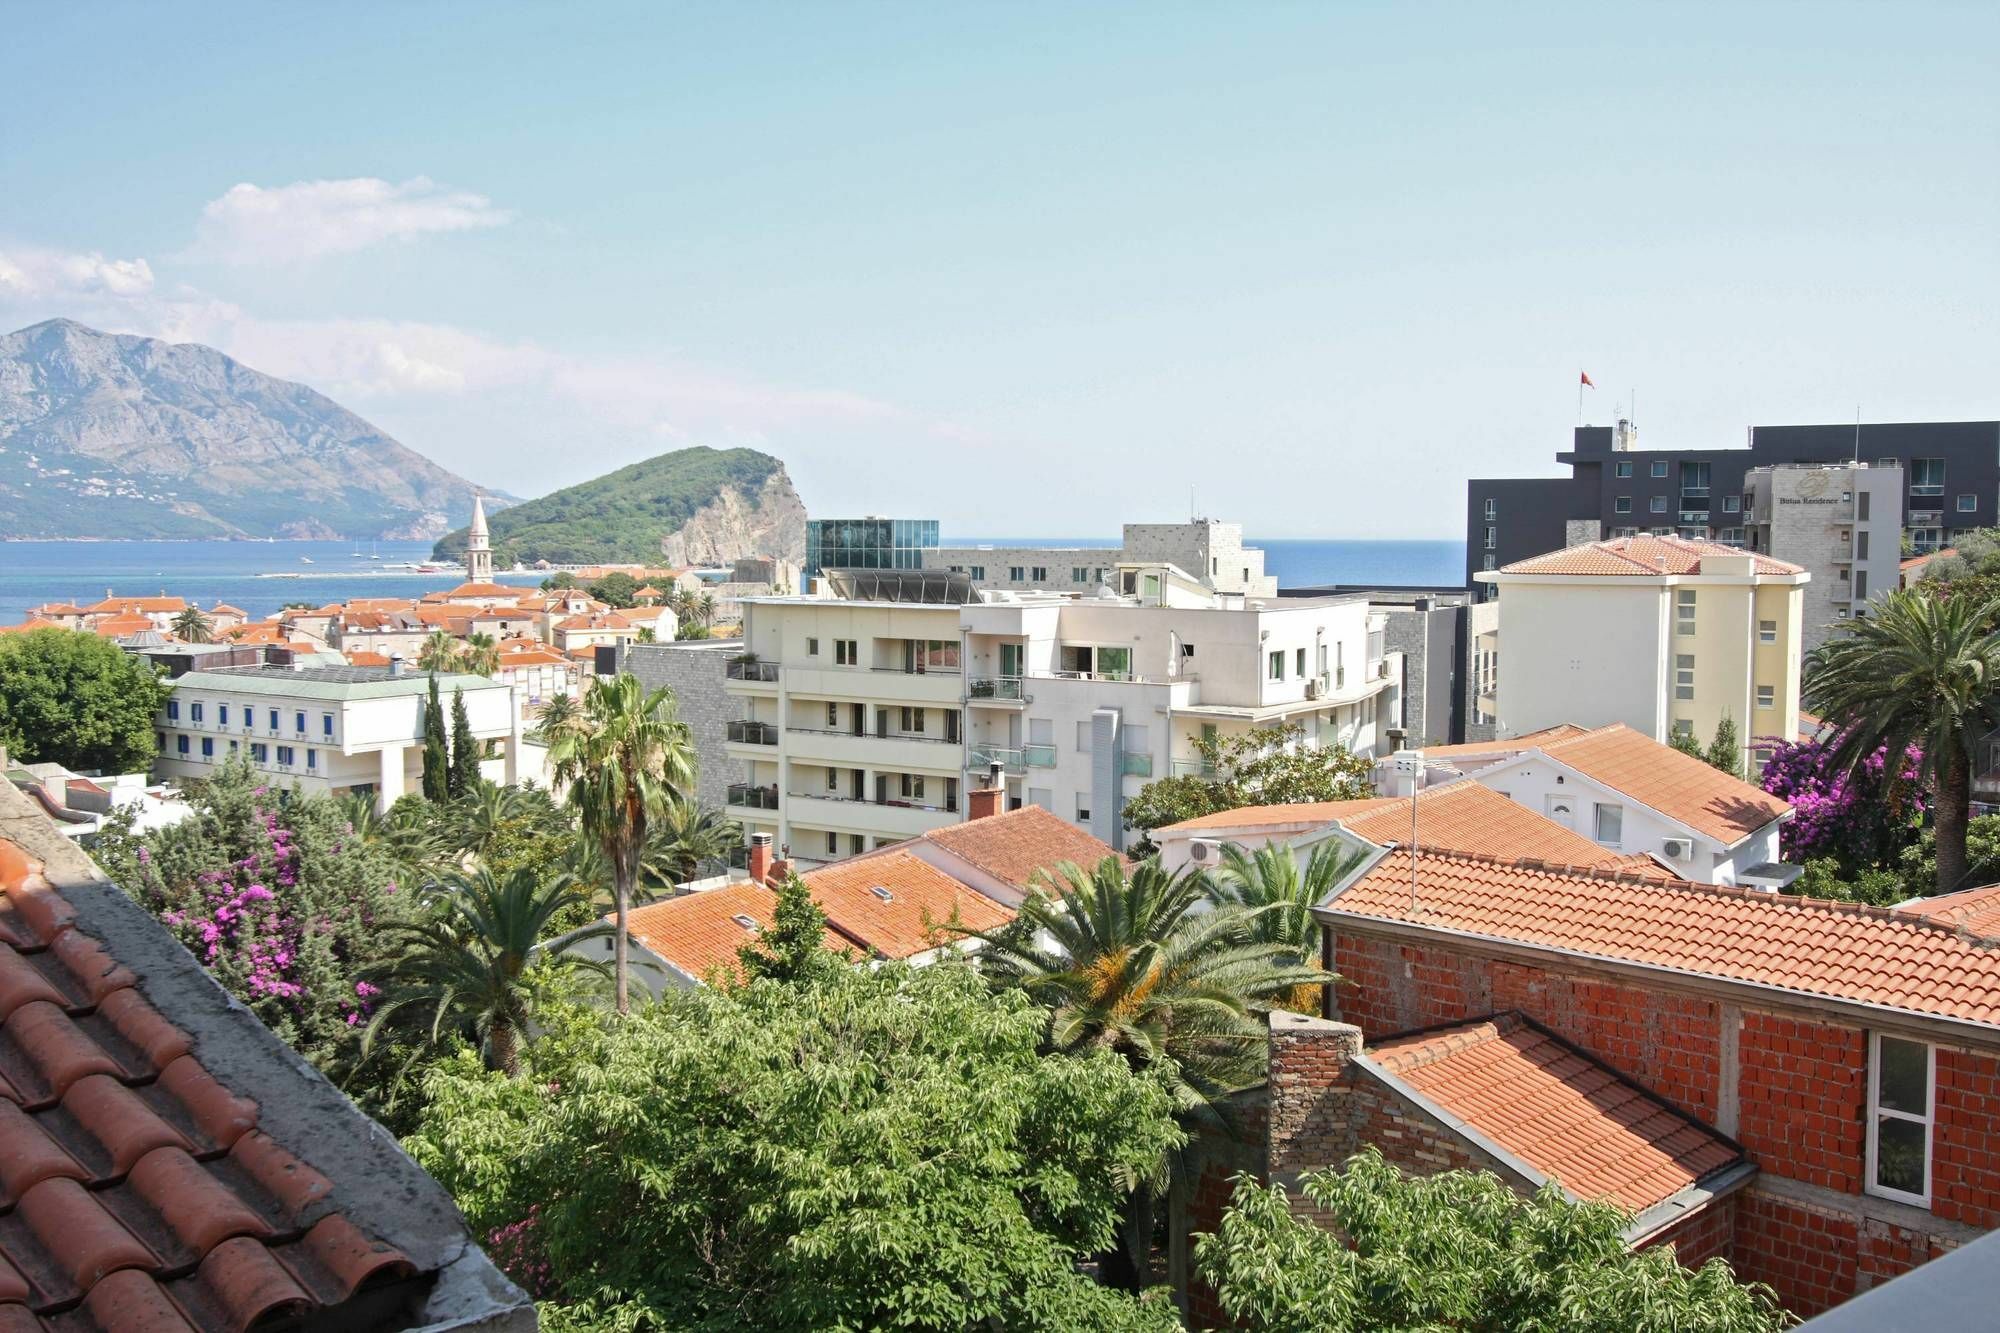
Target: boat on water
305	560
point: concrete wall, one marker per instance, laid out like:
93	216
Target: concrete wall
1430	637
1586	653
694	672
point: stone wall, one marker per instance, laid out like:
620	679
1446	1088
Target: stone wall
694	672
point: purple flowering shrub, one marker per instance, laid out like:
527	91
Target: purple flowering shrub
279	899
1860	819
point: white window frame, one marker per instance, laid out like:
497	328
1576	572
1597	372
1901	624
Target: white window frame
1657	505
1492	508
1876	1111
1684	685
1659	467
1598	811
1684	612
1968	504
1767	631
1767	696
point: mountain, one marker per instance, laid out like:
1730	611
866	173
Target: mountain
692	506
109	435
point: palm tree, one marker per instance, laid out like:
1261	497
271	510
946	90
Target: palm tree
1146	965
558	711
648	635
1269	884
439	653
704	609
403	834
193	625
464	970
681	602
483	814
685	835
1919	670
625	755
481	655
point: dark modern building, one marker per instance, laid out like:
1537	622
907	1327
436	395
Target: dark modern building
1951	473
867	543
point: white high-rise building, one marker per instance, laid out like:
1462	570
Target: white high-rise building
870	716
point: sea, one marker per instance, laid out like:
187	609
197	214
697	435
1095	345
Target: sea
264	577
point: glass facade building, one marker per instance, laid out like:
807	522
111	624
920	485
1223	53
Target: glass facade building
868	543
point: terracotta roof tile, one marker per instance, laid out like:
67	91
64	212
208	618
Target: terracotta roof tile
132	1184
914	918
699	933
1677	785
1564	1114
1641	557
1843	951
1975	910
1020	846
112	606
1525	741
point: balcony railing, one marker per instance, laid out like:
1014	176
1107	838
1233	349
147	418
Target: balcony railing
893	802
1193	768
983	757
753	733
873	735
765	672
995	687
752	797
1131	764
1694	492
1039	756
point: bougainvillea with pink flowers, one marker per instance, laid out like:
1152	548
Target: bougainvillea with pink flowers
279	899
1861	818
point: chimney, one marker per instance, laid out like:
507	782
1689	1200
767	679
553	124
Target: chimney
396	664
781	870
760	857
1311	1077
984	801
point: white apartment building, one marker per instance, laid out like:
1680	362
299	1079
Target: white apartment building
1841	522
329	729
868	720
1209	551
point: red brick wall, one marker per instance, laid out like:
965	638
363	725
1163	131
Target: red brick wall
1702	1237
1801	1091
1809	1257
1408	1136
1965	1159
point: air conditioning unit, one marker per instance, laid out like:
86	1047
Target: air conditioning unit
1204	853
1677	849
1312	689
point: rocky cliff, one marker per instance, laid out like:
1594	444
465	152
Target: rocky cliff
768	521
109	435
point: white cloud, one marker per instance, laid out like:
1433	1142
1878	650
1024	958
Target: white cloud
44	275
255	224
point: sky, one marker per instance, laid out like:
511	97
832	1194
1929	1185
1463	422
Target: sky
1031	270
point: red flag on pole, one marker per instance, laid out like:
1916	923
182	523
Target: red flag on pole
1586	380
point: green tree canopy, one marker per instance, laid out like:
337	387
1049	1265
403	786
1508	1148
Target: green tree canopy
617	589
1458	1250
437	751
1726	751
76	699
462	777
1264	766
882	1148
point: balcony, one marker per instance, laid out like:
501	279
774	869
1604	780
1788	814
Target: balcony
752	733
1132	765
762	673
1194	768
1004	690
869	749
882	819
747	796
982	757
1039	756
1689	494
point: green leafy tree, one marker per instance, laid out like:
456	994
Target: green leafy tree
1457	1250
562	579
881	1148
75	699
1263	766
1685	742
463	971
616	589
1146	965
647	634
405	836
462	778
193	625
689	630
1725	752
624	755
794	948
1916	867
1822	877
1922	671
437	753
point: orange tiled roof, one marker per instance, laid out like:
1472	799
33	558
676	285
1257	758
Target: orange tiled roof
1844	951
1525	741
483	590
1017	846
112	627
56	609
224	609
36	622
698	932
1976	910
1677	785
140	1189
1569	1117
1641	557
367	659
1276	816
914	918
112	606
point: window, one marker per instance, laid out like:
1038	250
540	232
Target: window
1684	611
1767	696
208	747
259	751
1659	467
194	712
913	787
1490	561
274	719
1683	726
326	725
1299	664
1610	824
173	710
1658	504
1622	505
1861	545
1492	538
222	715
1492	509
978	573
1078	574
1684	676
1900	1076
1968	504
833	844
1767	631
1732	504
846	652
1083	735
1694	480
812	647
833	715
1926	476
232	746
312	760
181	744
1014	573
299	723
833	779
1621	469
284	754
1860	584
913	720
1082	810
1039	574
1278	665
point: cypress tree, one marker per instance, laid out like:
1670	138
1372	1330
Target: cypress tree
437	778
1725	751
464	776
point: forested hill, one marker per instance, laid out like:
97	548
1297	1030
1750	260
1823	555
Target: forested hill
692	506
